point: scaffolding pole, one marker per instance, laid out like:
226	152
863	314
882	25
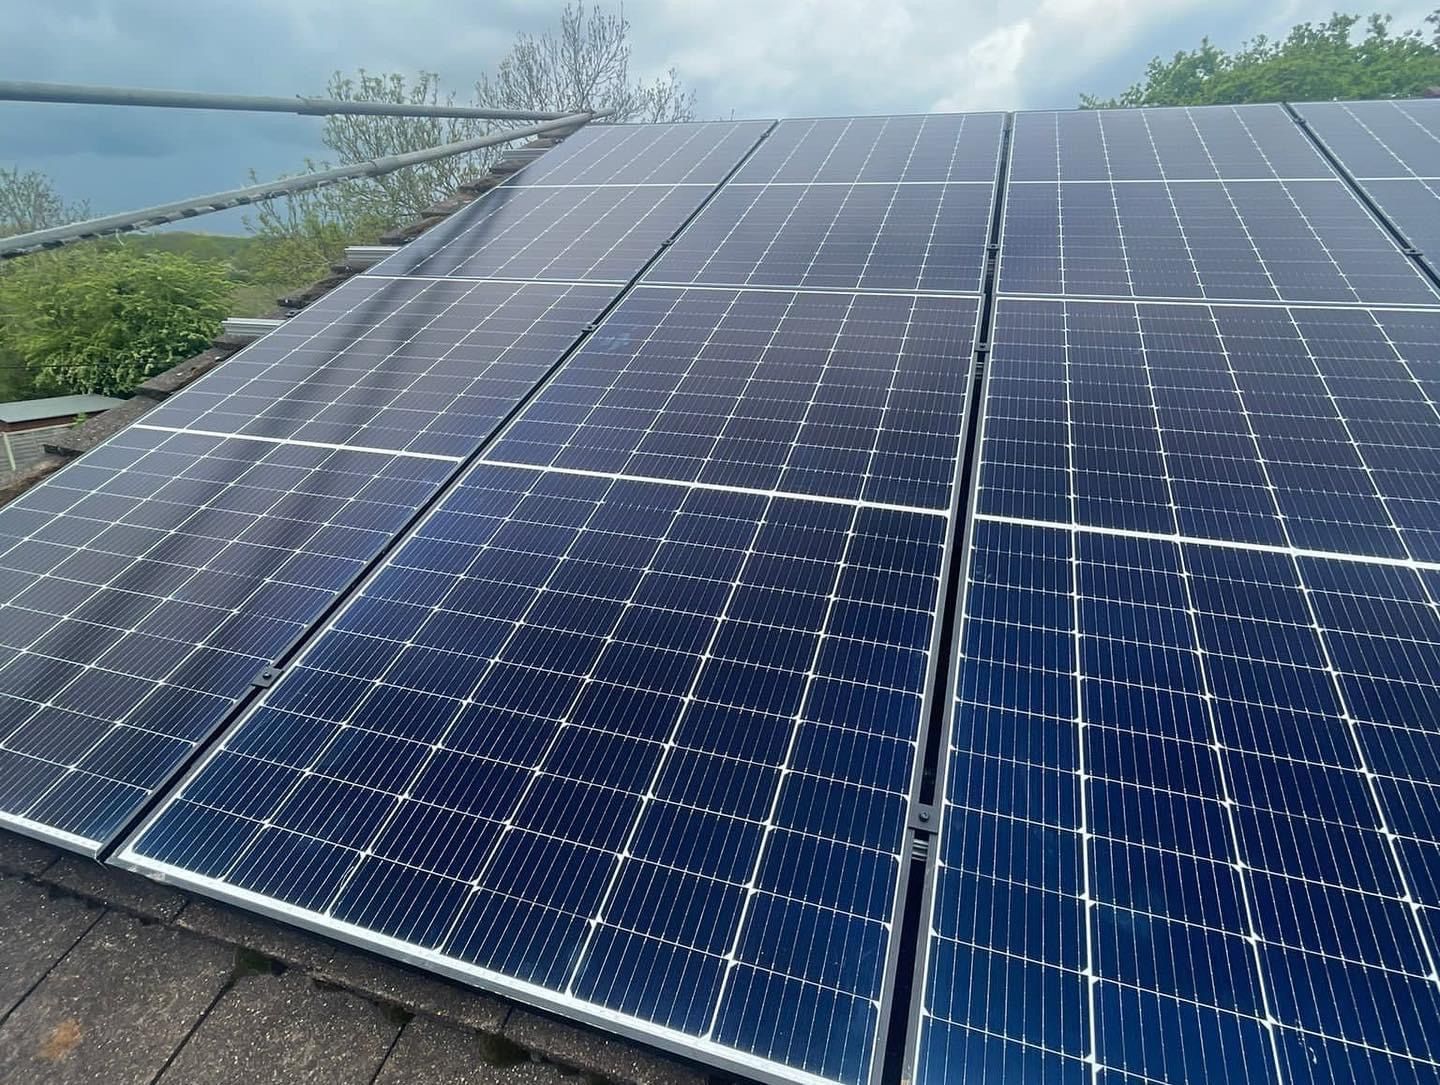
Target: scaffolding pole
19	244
80	94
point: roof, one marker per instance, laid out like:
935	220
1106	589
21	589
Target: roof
33	410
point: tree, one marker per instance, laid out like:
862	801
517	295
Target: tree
103	317
583	65
586	66
299	236
1315	61
28	201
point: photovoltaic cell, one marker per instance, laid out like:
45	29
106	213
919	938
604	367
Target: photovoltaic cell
876	236
1392	148
843	150
1188	831
1232	204
842	395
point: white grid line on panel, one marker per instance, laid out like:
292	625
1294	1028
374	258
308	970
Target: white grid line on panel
189	431
1087	880
1229	544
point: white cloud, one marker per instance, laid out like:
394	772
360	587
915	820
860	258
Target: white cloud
787	57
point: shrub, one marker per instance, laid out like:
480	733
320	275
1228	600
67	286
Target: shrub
103	318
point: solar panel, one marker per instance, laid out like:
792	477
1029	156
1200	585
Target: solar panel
404	365
841	395
880	236
1251	212
844	150
684	666
1212	143
1188	827
701	153
1393	150
573	234
596	213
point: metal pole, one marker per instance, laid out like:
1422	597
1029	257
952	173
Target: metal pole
19	244
79	94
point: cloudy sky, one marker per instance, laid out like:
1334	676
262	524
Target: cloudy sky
752	58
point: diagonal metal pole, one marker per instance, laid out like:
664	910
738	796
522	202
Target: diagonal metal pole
79	94
19	244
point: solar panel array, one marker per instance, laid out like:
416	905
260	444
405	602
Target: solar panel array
634	648
653	672
1189	828
143	589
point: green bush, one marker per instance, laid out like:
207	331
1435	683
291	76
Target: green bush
104	318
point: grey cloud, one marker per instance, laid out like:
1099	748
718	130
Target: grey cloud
749	57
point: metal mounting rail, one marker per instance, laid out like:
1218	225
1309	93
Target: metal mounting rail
19	244
80	94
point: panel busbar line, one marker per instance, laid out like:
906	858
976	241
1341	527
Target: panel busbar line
1189	830
699	699
144	588
1392	150
1227	203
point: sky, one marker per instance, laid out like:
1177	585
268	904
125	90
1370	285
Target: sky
746	58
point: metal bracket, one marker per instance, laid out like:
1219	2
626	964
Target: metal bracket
924	819
1412	251
266	678
982	348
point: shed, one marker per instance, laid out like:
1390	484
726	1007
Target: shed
27	424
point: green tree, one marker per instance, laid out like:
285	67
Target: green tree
1314	62
104	317
28	201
